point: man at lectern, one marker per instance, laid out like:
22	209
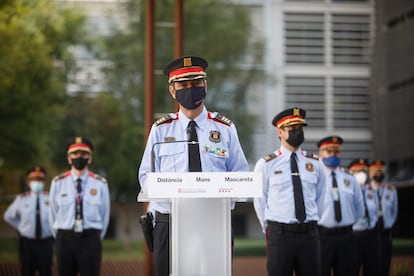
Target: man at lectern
190	140
292	202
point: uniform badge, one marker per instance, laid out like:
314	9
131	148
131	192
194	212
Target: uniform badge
347	182
387	197
64	195
370	196
169	139
46	202
93	192
278	172
309	167
215	136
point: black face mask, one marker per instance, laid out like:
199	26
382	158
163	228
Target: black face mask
379	178
190	98
80	163
296	137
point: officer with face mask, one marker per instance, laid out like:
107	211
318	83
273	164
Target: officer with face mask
387	213
292	202
79	212
366	241
343	207
29	215
216	148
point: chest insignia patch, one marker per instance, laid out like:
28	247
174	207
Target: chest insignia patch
309	167
93	192
370	196
347	182
278	172
215	136
46	202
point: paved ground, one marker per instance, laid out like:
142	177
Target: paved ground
242	266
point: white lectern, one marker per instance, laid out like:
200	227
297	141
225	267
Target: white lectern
200	226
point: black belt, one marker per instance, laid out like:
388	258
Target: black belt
84	232
294	227
29	239
335	230
367	232
160	217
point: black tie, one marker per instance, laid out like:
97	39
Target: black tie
337	203
380	222
38	223
297	190
78	212
193	148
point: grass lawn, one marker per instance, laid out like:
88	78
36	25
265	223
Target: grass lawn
115	249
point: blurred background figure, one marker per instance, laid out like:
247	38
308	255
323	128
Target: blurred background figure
365	237
79	212
28	214
343	206
387	213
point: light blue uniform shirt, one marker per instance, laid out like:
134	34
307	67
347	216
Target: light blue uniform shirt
350	198
277	203
369	219
389	204
95	200
220	149
21	214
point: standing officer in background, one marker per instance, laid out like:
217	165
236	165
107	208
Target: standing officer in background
79	213
365	237
388	209
29	215
343	207
292	202
218	148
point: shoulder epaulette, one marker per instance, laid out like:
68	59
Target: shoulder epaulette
163	120
311	155
25	194
391	187
61	176
269	156
98	177
222	119
345	170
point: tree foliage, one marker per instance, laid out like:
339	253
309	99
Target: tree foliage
34	39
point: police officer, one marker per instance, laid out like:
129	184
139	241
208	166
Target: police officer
29	215
343	207
292	202
388	209
366	242
218	148
79	212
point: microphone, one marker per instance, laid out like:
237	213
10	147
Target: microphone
166	142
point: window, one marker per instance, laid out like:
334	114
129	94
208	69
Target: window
304	38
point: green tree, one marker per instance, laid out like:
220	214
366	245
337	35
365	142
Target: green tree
35	60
